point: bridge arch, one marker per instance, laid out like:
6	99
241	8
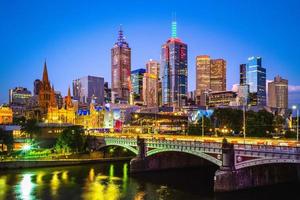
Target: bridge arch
195	153
133	150
265	161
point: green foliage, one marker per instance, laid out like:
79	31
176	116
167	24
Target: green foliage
231	118
259	124
72	139
31	128
7	139
196	129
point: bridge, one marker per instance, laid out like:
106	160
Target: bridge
241	164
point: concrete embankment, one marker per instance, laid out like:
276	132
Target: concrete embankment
17	164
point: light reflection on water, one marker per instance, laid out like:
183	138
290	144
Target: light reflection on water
106	181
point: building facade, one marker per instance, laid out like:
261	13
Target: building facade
89	88
174	71
278	93
120	70
136	78
150	84
256	79
45	91
6	115
18	100
210	76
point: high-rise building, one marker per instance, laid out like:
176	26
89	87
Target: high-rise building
174	71
36	86
137	84
19	96
242	74
120	70
150	84
107	93
278	93
218	75
256	79
89	88
210	76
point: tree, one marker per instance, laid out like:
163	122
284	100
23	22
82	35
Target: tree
31	128
231	118
71	139
7	139
260	123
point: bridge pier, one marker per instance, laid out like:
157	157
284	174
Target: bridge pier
138	164
227	178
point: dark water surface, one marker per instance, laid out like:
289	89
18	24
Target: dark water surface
110	181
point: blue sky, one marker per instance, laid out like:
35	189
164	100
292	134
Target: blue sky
76	37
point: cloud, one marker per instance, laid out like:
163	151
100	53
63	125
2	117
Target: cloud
294	88
235	87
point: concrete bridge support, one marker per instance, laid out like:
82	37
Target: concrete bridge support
227	178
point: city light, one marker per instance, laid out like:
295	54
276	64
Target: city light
26	147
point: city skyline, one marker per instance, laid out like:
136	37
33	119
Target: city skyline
214	39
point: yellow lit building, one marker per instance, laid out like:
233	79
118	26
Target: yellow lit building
92	118
64	115
6	115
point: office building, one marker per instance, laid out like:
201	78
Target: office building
137	84
174	71
89	88
150	84
278	93
120	70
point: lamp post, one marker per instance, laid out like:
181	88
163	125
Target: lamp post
297	121
205	93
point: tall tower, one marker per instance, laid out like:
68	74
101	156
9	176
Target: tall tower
210	76
45	91
278	93
256	79
174	71
120	69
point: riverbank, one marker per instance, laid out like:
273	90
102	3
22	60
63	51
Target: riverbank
18	164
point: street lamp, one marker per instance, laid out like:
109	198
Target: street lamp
205	93
297	123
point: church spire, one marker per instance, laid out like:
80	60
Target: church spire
68	100
45	73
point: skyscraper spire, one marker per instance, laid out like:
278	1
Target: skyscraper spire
45	73
174	27
121	37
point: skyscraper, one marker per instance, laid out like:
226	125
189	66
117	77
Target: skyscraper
137	84
120	69
89	88
242	74
150	84
256	79
278	93
36	86
174	71
210	76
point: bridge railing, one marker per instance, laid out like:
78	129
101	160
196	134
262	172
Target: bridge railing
267	148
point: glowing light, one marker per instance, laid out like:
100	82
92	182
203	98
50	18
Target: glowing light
174	29
26	147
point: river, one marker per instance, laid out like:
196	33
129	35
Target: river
110	181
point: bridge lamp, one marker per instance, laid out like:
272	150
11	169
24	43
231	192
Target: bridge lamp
297	123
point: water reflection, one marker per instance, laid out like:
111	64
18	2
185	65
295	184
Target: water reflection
3	187
54	183
24	189
105	181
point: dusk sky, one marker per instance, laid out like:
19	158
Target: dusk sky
76	37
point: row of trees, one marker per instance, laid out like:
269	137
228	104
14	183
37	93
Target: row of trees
258	124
